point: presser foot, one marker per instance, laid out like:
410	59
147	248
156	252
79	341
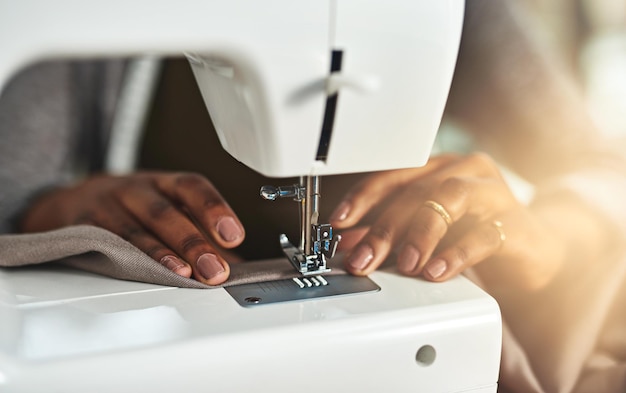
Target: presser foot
307	265
311	285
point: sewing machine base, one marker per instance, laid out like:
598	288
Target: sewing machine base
67	331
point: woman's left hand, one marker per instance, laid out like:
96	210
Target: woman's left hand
445	217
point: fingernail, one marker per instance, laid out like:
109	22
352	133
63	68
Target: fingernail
341	212
228	229
172	263
408	258
361	257
209	266
436	268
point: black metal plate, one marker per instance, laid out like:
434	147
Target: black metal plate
249	295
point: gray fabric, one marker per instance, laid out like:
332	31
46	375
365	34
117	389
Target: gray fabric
115	257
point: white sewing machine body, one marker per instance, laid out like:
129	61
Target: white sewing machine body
264	68
71	331
267	71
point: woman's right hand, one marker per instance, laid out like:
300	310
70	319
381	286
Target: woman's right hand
451	214
178	219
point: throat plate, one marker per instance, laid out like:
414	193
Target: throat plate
300	288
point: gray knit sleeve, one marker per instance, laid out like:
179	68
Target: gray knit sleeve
43	123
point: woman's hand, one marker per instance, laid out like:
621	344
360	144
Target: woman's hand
178	219
445	217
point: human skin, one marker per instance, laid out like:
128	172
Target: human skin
517	101
178	219
507	92
530	247
181	221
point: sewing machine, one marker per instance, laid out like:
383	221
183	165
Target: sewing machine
295	88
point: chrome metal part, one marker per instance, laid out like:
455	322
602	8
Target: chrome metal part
311	211
305	264
272	193
317	242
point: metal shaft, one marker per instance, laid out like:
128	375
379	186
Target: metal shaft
309	211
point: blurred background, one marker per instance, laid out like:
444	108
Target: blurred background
591	36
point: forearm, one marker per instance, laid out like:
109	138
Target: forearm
582	231
587	209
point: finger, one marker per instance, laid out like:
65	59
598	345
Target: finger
205	204
475	246
161	217
379	240
387	230
454	199
422	238
351	237
158	251
112	217
373	190
376	188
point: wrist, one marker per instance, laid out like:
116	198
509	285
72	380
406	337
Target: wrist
583	232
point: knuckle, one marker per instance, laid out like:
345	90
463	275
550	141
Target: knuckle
159	208
382	233
156	250
456	187
490	235
482	160
479	158
190	180
132	232
119	193
424	228
211	201
419	189
428	229
461	254
191	242
123	188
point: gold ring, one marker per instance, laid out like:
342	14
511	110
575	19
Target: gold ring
440	210
498	226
